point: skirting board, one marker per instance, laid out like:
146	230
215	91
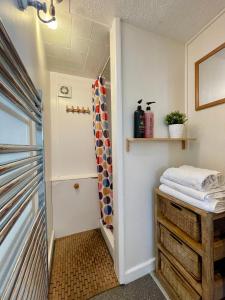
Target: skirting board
140	270
50	251
159	285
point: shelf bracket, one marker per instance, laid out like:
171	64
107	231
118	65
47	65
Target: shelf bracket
183	141
183	144
127	145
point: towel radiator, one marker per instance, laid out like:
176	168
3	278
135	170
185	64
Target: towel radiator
23	234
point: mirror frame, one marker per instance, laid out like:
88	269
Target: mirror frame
198	106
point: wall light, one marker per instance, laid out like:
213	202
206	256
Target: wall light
53	25
23	4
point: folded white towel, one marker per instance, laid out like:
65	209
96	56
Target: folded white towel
214	206
214	194
196	178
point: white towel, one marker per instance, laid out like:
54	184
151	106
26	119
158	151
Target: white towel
214	206
214	194
196	178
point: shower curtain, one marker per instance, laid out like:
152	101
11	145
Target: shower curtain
103	151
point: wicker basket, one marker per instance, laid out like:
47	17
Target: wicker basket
184	254
219	288
183	218
219	229
219	269
183	290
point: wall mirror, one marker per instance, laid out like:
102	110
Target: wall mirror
210	79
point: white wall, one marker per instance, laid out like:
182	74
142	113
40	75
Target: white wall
206	125
72	133
24	30
73	158
152	69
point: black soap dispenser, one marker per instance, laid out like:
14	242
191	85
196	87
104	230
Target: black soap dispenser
139	121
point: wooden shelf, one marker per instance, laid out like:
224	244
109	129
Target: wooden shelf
160	139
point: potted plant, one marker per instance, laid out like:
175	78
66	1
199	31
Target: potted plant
175	120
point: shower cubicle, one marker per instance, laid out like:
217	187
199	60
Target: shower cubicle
82	162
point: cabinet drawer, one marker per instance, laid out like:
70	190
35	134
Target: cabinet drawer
184	254
182	289
183	218
219	270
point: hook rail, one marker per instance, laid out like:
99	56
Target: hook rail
82	110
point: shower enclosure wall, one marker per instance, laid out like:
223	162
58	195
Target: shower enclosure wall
73	158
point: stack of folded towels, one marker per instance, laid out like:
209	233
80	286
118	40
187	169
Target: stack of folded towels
202	188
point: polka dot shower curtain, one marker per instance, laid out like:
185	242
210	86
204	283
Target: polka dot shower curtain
103	151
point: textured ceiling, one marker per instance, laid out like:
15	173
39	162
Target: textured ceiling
80	45
178	19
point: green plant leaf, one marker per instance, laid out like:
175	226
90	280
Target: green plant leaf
175	117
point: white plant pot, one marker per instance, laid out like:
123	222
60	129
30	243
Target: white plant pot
176	130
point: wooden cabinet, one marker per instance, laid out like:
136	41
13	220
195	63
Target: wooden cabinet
190	249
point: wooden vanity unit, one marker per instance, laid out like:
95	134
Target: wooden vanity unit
190	250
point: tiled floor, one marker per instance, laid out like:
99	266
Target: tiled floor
82	267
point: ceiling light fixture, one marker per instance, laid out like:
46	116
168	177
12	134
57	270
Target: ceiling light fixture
23	4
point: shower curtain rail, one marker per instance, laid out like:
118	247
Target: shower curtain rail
105	65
